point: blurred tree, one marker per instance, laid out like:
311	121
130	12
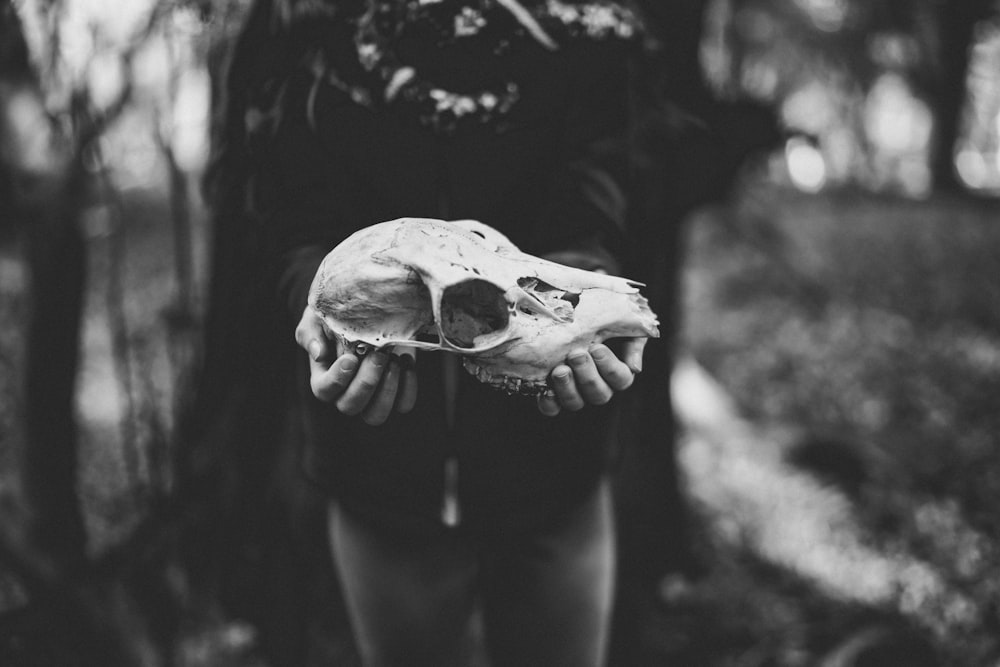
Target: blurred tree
67	621
688	147
118	609
258	536
45	179
769	52
957	22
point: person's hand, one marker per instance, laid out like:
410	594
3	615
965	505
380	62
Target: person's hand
371	386
592	377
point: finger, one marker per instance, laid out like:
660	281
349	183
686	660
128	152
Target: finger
380	406
590	384
564	388
364	385
632	350
328	383
548	405
615	373
406	398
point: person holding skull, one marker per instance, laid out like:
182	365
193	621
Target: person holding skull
445	494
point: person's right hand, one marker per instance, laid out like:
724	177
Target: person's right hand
371	386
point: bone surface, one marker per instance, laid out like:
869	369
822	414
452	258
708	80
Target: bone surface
463	287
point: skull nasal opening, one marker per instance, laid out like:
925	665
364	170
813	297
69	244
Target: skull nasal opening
471	309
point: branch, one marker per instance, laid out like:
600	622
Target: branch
95	124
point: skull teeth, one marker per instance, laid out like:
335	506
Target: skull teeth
505	383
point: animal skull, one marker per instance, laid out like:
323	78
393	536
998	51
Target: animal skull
463	287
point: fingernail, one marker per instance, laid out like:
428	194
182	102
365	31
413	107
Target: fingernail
599	352
349	364
635	365
315	350
577	356
561	374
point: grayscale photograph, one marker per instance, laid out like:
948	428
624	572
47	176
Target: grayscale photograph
499	333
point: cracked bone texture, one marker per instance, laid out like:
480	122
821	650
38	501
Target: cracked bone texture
463	287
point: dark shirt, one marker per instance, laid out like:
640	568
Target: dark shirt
549	176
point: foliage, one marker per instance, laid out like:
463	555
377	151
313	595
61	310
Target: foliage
887	91
871	325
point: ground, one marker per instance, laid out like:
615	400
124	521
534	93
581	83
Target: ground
840	389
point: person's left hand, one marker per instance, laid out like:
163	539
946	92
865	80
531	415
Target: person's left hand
592	376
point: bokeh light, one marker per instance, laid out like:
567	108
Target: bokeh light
806	166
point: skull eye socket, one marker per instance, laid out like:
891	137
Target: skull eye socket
472	309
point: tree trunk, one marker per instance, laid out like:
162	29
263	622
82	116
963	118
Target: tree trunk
687	149
47	195
957	21
258	543
57	277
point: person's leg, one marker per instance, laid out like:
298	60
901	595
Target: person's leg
548	598
409	596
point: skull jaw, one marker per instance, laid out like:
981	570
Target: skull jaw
508	384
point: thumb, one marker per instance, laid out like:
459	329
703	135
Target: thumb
632	350
310	336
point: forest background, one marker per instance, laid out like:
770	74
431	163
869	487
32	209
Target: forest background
827	251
